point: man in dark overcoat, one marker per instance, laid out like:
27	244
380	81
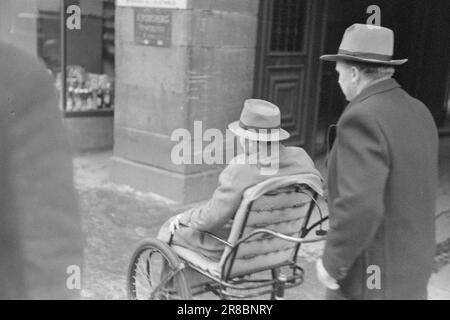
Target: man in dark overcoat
382	178
41	240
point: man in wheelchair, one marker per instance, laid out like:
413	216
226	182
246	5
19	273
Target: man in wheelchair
264	157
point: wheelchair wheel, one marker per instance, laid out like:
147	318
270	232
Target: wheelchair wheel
153	274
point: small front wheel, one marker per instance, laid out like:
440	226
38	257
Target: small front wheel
156	273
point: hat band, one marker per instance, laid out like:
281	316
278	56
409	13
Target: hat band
366	55
246	127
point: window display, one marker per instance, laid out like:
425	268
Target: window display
86	54
86	91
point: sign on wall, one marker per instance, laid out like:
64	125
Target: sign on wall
153	27
166	4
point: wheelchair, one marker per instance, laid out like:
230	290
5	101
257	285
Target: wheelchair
259	256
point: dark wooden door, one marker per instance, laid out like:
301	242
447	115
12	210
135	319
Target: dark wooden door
287	63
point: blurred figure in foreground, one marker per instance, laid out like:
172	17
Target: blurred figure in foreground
40	227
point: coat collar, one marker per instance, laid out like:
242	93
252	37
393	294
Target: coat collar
382	86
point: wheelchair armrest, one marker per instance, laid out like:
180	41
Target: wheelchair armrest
255	232
209	234
278	235
217	238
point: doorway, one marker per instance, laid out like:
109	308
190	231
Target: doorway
287	72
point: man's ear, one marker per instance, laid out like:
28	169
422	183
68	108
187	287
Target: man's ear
354	74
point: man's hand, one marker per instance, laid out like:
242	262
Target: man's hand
174	224
324	277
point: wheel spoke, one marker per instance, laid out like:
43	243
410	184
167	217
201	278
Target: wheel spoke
139	288
141	283
146	277
156	273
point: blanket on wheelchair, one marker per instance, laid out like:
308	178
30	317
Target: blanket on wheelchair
278	211
216	215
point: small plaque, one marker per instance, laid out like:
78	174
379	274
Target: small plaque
167	4
153	27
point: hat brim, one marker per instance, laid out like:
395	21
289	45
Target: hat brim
275	135
337	57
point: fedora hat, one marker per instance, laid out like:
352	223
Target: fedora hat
366	43
260	121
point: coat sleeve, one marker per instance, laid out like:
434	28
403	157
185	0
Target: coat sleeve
224	203
362	165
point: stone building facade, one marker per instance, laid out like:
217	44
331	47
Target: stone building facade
205	75
222	52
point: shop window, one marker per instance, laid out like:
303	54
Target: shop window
89	59
81	60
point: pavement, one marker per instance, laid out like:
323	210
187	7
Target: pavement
439	285
116	217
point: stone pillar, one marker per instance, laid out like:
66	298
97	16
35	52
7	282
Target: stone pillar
205	75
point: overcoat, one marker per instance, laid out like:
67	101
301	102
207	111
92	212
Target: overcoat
41	241
382	181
